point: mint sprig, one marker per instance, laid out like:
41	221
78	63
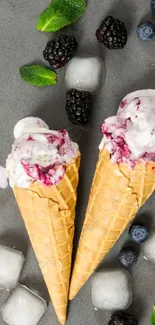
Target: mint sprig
153	317
60	13
37	75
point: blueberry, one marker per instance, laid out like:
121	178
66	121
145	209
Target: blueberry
138	233
146	31
128	257
152	3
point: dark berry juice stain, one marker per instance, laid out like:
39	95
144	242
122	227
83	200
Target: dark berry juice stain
30	138
123	103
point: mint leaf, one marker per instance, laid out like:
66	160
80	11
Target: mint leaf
153	317
37	75
60	13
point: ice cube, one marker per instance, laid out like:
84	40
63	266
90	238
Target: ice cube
23	307
85	73
149	247
111	290
11	264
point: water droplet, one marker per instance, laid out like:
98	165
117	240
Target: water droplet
145	258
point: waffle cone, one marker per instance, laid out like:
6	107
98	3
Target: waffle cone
48	214
116	195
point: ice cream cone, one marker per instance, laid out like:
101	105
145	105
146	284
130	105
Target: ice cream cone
48	214
117	194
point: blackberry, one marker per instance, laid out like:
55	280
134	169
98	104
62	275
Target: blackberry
121	318
78	106
112	33
60	50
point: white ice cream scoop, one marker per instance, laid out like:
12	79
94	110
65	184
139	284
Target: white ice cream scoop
38	153
130	135
26	125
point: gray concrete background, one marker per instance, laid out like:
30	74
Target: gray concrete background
129	69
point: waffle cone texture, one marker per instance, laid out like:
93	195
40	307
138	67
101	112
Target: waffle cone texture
116	195
48	214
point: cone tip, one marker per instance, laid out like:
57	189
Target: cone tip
62	320
72	295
